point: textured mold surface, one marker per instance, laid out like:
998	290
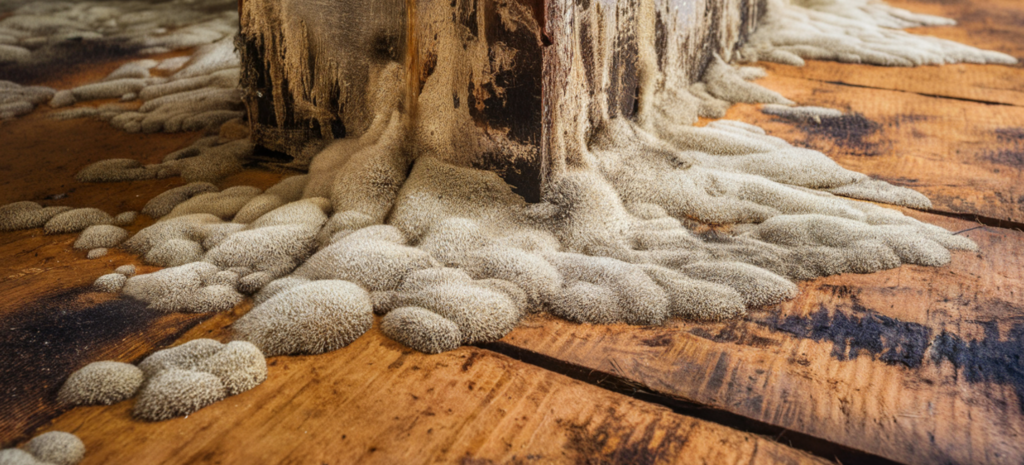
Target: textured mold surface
637	215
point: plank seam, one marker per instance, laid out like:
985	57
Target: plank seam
947	97
985	221
813	445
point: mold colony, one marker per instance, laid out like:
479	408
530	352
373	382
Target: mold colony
44	36
392	222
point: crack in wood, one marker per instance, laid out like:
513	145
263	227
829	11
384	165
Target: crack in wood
609	381
948	97
985	221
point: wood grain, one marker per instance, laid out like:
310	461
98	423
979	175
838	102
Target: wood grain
52	323
917	365
967	157
859	360
378	402
992	25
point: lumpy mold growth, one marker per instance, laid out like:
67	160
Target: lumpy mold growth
855	31
652	218
52	448
171	382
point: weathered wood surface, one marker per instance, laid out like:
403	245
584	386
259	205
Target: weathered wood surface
52	324
387	403
376	401
954	132
990	24
918	365
967	157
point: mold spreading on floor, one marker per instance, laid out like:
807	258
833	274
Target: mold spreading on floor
448	255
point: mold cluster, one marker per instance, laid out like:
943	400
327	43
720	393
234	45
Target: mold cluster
656	219
44	34
198	92
171	382
855	31
52	448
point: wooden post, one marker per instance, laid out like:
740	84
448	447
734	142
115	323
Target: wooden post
529	80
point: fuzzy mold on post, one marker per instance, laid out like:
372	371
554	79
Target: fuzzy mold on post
454	222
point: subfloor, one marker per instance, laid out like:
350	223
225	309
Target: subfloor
914	365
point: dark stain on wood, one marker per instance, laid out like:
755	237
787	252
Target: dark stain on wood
890	340
625	79
734	333
1013	154
516	109
592	443
64	57
851	132
993	359
45	341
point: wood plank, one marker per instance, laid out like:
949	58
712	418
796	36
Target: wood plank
52	324
993	25
379	402
859	360
967	157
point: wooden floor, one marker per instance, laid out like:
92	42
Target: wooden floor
915	365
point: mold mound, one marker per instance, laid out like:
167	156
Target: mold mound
311	318
858	31
421	329
14	456
76	220
240	366
56	447
374	264
101	383
162	204
112	282
175	392
100	236
182	289
186	378
482	310
27	215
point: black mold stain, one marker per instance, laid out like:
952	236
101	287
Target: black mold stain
1007	157
515	111
606	440
892	341
1010	135
385	46
847	131
993	359
734	334
64	57
1010	156
989	360
45	341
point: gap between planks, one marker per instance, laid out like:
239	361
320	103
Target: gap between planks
611	382
939	96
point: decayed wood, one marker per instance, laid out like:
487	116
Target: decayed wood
859	360
967	157
994	25
376	401
52	323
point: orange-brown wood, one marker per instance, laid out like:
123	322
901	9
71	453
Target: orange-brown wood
376	401
989	24
863	361
52	324
966	157
858	360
